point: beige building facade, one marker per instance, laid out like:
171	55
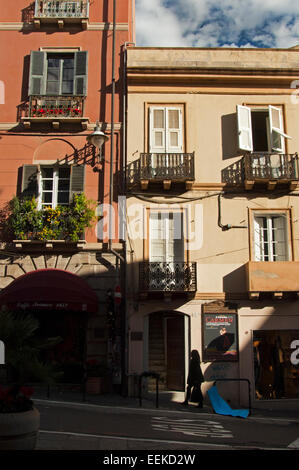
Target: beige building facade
212	217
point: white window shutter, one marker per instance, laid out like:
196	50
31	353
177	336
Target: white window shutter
276	130
244	128
157	130
157	238
174	131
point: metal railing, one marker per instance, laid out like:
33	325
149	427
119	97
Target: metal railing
167	277
173	166
61	9
274	166
55	106
262	166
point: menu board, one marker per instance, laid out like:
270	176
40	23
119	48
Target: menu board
220	337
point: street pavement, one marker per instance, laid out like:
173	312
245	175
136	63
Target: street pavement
112	422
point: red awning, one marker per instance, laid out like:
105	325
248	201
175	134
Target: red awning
50	289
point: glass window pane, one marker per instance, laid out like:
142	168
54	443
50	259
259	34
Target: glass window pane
68	74
53	62
64	172
47	197
158	118
63	197
47	185
53	87
173	119
174	139
158	139
47	172
63	185
67	87
53	74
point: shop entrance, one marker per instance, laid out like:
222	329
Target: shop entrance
276	373
168	340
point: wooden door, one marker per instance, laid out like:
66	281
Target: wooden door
175	353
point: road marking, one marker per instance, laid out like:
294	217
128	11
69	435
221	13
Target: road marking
294	445
145	439
191	427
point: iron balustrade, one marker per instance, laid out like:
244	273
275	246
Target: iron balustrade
61	9
172	166
55	106
167	277
271	166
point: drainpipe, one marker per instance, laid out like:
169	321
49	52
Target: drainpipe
226	226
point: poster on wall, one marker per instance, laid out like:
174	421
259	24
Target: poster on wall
220	337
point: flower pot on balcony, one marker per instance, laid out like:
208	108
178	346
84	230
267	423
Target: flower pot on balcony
19	431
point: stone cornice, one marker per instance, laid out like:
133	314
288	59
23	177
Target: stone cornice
20	26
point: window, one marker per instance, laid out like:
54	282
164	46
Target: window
58	73
261	129
165	129
54	186
166	237
270	237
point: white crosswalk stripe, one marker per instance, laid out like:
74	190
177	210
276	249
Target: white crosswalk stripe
191	427
294	445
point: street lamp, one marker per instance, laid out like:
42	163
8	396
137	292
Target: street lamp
97	139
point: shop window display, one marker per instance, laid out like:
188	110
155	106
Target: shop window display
276	373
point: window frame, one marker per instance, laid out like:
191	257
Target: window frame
271	128
55	186
287	213
149	107
146	230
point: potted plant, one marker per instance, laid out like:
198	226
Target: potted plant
19	419
98	377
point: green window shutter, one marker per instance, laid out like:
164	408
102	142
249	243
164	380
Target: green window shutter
29	181
80	75
77	180
37	73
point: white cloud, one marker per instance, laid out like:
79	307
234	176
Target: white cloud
209	23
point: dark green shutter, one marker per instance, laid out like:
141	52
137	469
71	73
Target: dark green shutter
29	181
37	74
77	180
80	75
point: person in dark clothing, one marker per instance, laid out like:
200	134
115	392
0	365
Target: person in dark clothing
195	379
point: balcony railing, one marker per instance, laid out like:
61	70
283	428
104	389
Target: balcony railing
167	277
278	166
61	9
161	166
259	167
55	107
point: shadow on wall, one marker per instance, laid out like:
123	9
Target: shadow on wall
229	136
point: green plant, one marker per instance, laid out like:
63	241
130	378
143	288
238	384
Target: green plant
96	368
62	223
22	349
25	221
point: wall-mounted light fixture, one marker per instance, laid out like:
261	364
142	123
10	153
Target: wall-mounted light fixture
97	139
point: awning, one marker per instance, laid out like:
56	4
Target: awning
49	289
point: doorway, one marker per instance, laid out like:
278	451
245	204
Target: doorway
168	347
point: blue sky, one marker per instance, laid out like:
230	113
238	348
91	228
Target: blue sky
214	23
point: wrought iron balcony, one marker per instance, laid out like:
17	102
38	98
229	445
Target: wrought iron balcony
162	167
167	277
270	168
53	109
61	9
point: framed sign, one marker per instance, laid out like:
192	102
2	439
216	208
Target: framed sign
220	337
